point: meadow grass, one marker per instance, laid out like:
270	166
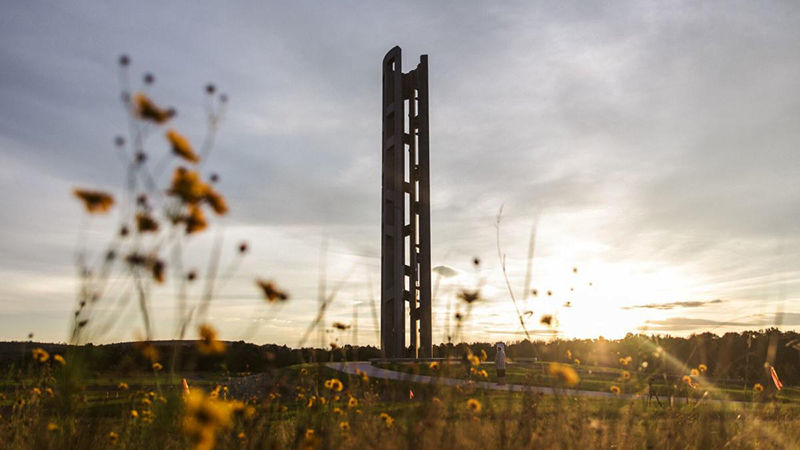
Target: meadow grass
591	378
313	406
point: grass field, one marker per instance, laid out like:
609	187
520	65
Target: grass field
592	378
313	406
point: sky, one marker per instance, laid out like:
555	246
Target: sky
653	146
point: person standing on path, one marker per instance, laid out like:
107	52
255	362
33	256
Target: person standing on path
467	364
500	365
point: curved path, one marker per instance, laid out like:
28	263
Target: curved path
377	372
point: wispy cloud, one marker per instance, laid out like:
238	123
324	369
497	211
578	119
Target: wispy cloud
673	305
536	332
750	321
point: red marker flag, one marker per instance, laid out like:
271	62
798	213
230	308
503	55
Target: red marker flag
410	394
778	384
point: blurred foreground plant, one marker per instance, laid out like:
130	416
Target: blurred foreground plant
167	198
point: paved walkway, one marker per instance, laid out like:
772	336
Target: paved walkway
377	372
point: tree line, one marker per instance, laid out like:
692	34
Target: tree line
731	357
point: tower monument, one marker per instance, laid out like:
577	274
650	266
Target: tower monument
405	212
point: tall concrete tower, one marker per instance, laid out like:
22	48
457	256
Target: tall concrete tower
405	216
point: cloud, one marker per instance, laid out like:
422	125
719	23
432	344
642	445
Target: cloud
445	271
533	332
673	305
750	321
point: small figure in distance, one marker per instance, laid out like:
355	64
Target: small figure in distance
467	363
500	363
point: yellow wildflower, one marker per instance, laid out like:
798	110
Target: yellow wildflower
309	434
60	359
157	267
181	146
694	373
702	368
338	411
271	292
187	185
40	354
215	393
484	356
196	220
145	223
148	416
387	419
123	386
203	416
147	110
352	402
758	387
148	350
334	384
565	374
615	389
474	405
49	392
687	379
626	375
344	425
216	201
113	437
134	414
469	296
157	366
51	426
36	391
434	365
94	201
208	343
483	374
146	401
625	361
474	360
